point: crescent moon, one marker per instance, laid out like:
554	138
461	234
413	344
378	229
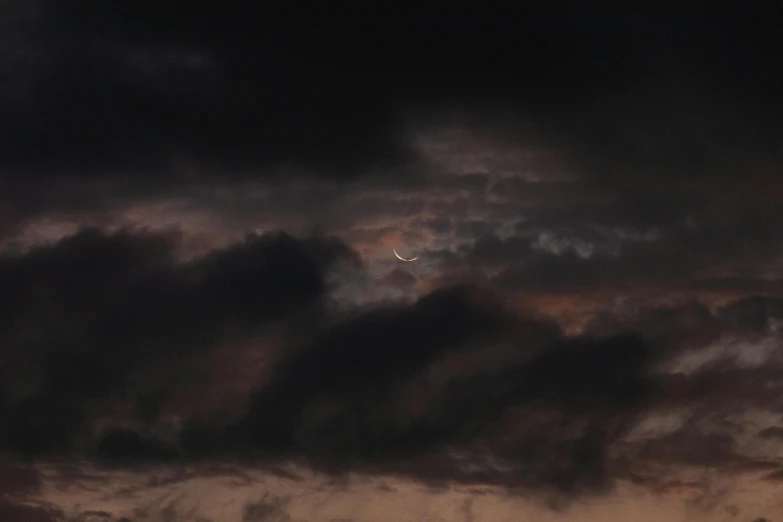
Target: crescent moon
402	258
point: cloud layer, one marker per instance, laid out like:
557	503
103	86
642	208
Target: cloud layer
198	206
453	387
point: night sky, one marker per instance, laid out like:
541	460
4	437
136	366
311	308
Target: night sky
202	317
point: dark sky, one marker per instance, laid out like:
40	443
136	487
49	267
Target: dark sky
198	205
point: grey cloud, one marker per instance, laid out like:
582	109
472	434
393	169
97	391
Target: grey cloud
11	512
773	432
679	260
756	313
474	228
490	250
399	278
440	225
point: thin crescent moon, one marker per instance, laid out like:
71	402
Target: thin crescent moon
402	258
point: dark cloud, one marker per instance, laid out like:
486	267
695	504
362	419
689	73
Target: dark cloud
754	313
17	480
690	324
474	228
142	88
399	278
361	361
491	251
631	151
580	255
440	225
127	447
402	389
554	410
86	315
562	273
775	476
397	390
267	508
110	94
97	516
691	447
10	512
774	432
